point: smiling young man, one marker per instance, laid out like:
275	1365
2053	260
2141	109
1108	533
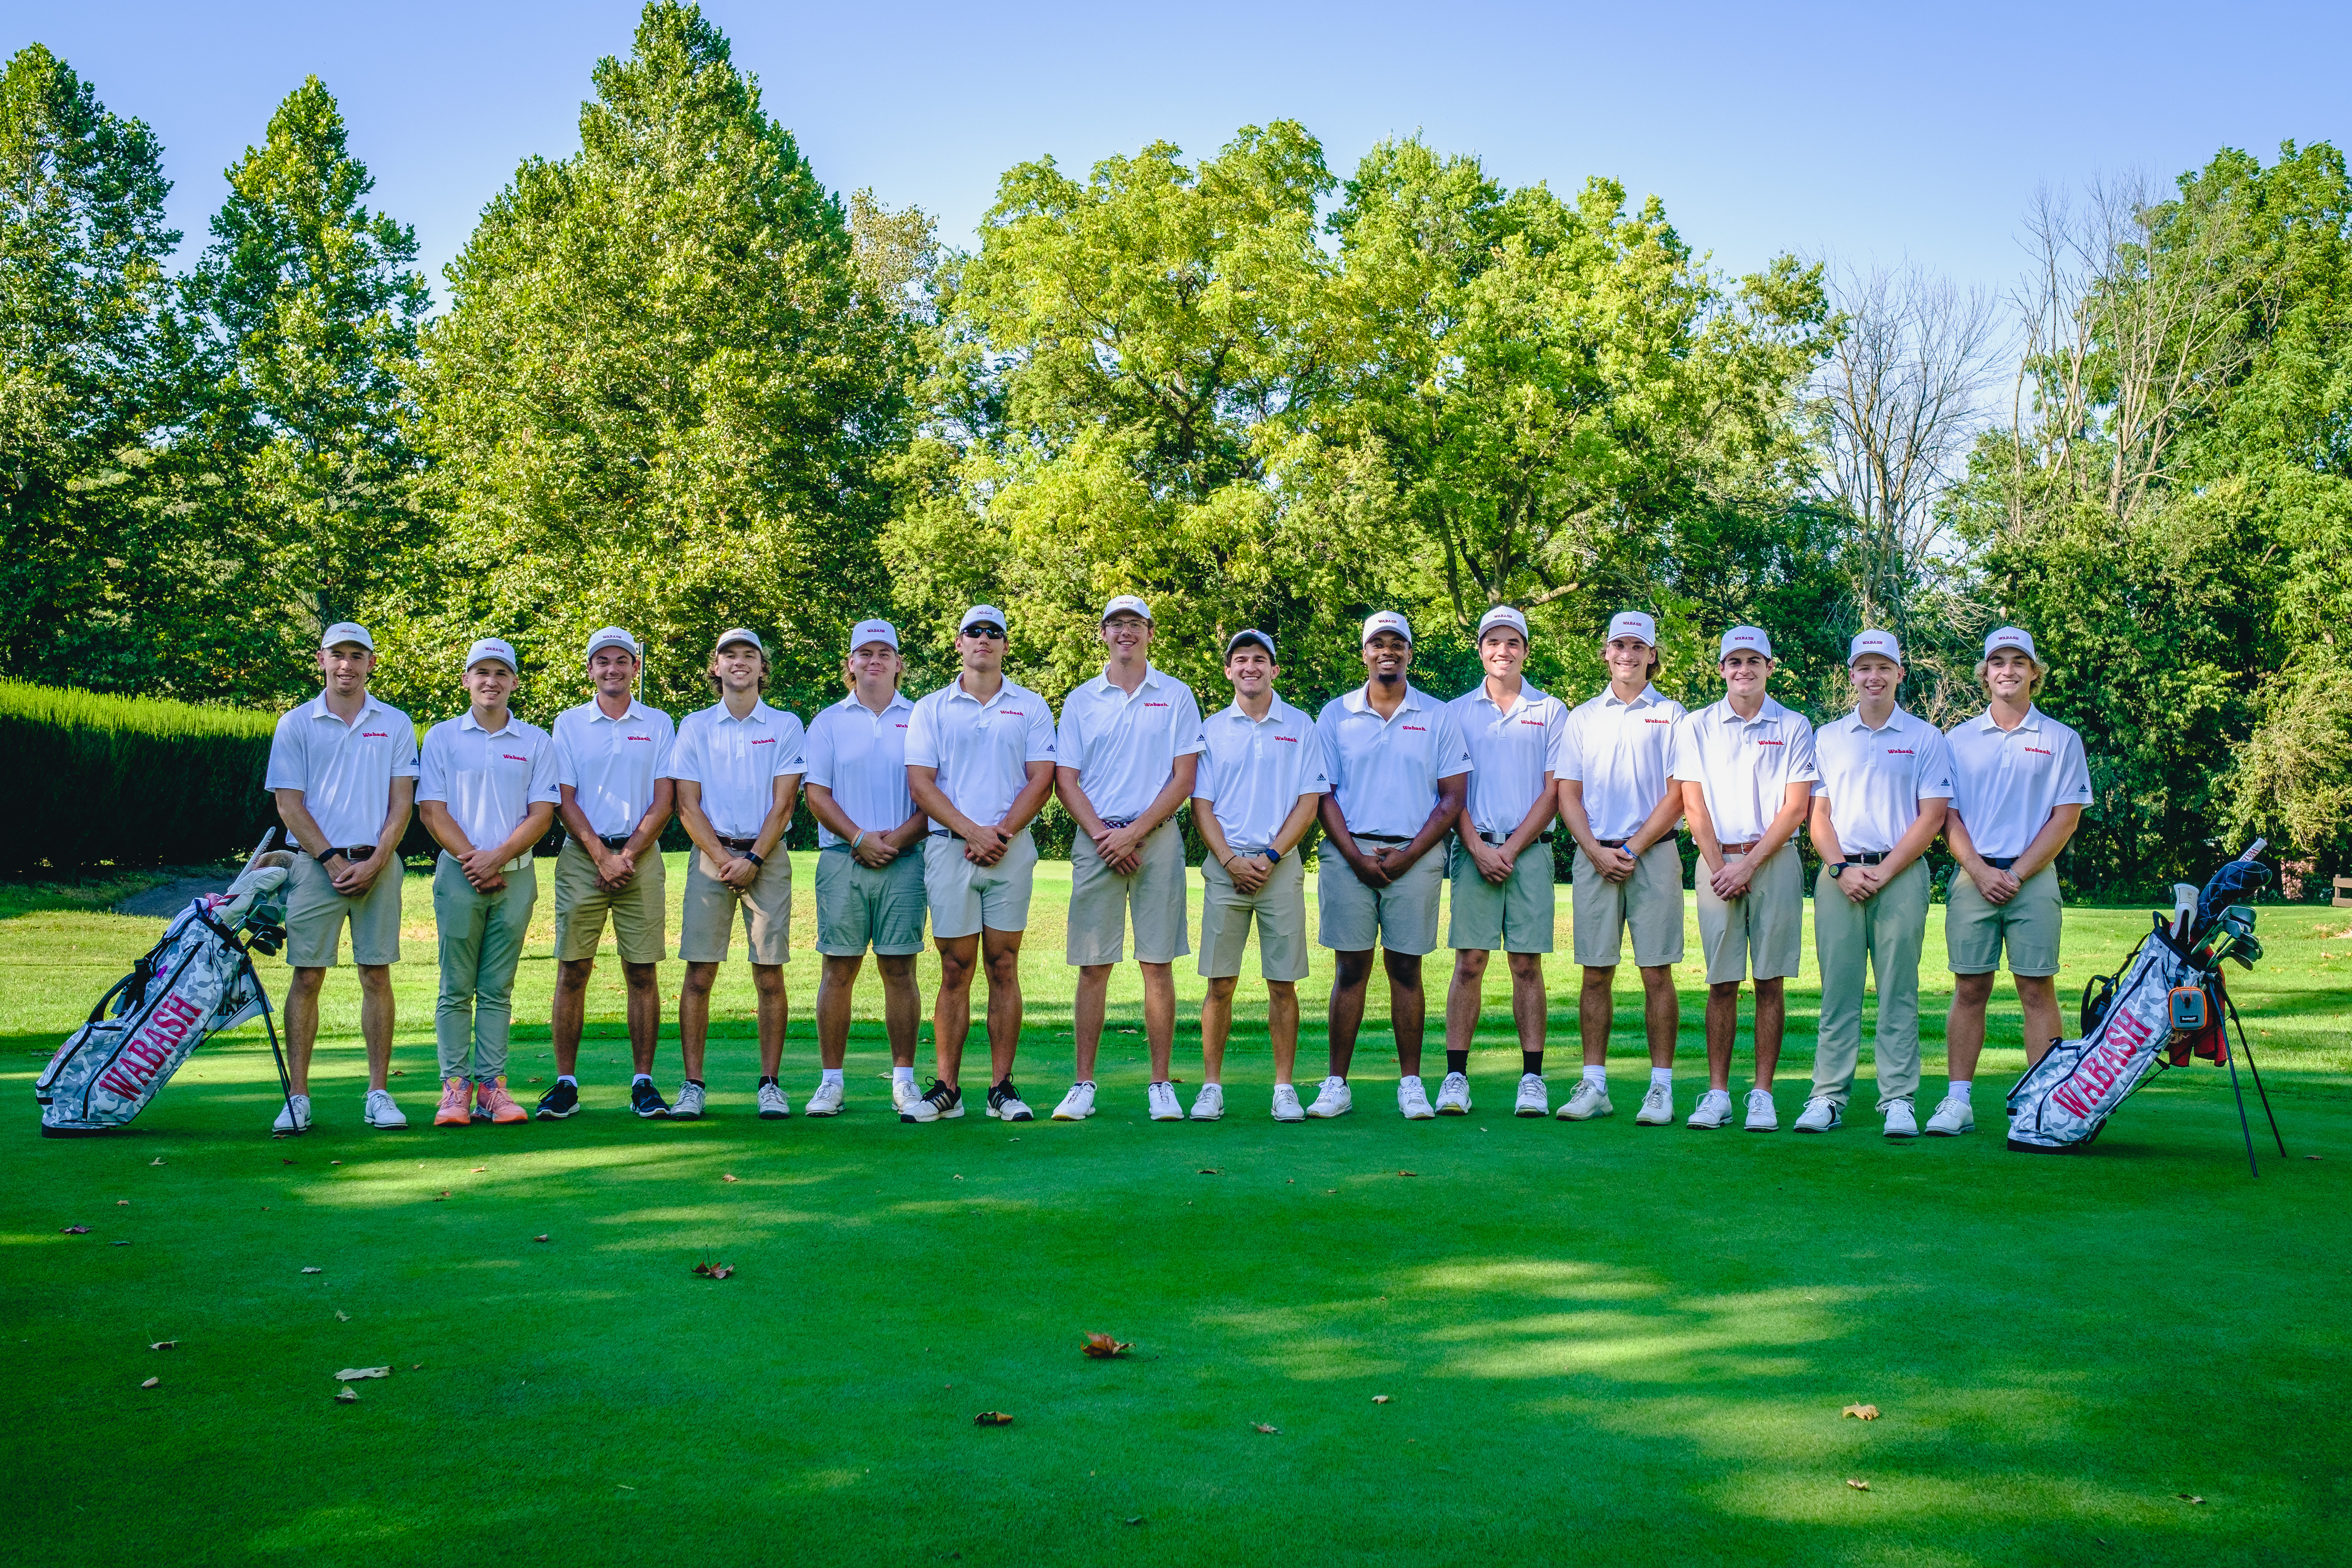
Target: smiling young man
737	765
1747	769
1400	774
1124	758
487	790
2020	783
612	763
980	763
1262	779
1501	858
342	768
869	866
1886	781
1619	800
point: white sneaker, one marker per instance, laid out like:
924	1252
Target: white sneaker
1821	1114
905	1092
1332	1097
775	1105
1902	1121
383	1110
294	1116
1077	1105
914	1108
1209	1105
826	1100
1161	1099
1714	1110
1413	1100
689	1103
1285	1104
1588	1100
1952	1118
1454	1095
1657	1106
1763	1116
1535	1095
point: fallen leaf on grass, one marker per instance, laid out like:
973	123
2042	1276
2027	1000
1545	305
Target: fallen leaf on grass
416	1366
714	1271
164	1345
342	1316
151	1382
991	1418
399	1072
74	1230
2186	1497
1137	1519
314	1270
156	1161
442	1198
347	1395
2311	1156
539	1238
334	1162
122	1202
1861	1412
353	1374
955	1178
1858	1486
731	1178
477	1169
1380	1399
1102	1347
1210	1170
287	1161
1262	1427
1408	1172
118	1244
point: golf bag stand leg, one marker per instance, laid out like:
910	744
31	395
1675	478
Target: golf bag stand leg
269	1022
2244	1125
2275	1136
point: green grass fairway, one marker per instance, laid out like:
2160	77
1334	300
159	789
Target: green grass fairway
1598	1342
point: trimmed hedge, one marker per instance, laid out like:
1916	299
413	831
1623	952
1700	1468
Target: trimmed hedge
91	779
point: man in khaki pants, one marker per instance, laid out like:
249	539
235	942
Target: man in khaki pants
1886	782
1125	757
737	765
611	762
486	789
1747	768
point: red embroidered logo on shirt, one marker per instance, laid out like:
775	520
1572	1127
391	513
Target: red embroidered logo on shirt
765	741
1771	742
1288	740
2039	752
646	739
1155	705
1657	720
375	734
512	758
1012	712
1900	751
1420	729
1533	723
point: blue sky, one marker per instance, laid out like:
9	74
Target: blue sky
1866	132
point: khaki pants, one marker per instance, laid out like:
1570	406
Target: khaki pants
1101	901
1280	909
1763	930
708	919
639	910
1649	902
1885	935
481	939
315	914
1516	916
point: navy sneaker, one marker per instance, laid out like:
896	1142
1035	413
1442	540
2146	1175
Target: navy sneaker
558	1102
646	1101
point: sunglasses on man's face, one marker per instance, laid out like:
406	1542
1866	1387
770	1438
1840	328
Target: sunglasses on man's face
983	629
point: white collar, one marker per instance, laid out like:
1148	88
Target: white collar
2033	721
1277	710
636	709
1359	699
1650	694
1896	720
368	704
897	700
758	715
467	720
1529	696
1770	714
1152	680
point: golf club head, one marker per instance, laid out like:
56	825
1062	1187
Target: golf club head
2239	918
2246	951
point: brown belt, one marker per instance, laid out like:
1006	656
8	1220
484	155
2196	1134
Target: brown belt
1741	848
738	845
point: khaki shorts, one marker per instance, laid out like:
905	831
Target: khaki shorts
1762	929
315	914
1401	917
1650	902
859	906
964	897
1280	909
1975	932
1516	917
709	928
639	910
1101	900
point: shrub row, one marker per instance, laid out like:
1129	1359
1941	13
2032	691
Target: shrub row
92	779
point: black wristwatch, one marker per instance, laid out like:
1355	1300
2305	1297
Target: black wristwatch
323	856
1837	870
754	857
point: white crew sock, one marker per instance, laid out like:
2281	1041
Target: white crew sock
1957	1088
641	1078
829	1075
1596	1073
902	1075
567	1078
1663	1077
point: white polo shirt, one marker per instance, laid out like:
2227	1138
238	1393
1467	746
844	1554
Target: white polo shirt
737	762
344	771
2007	783
1511	751
1124	746
612	763
489	779
981	749
1253	771
861	756
1875	779
1384	771
1744	765
1623	754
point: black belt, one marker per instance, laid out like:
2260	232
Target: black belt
2001	862
1607	843
738	845
943	833
1870	858
355	853
616	842
1380	837
1499	839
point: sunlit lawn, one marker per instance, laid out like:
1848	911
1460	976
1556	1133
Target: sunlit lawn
1598	1342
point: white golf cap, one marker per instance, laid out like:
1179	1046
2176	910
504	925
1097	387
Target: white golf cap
1251	634
613	636
864	632
739	634
1386	621
1880	643
1633	624
980	612
1126	604
1748	640
346	631
1503	615
2013	636
492	647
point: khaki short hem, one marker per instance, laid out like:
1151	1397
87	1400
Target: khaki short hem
1279	909
639	910
1400	917
1650	903
860	906
1516	916
708	927
315	915
2028	927
1102	902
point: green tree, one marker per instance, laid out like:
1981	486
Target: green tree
664	397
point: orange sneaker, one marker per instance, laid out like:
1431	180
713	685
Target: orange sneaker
500	1105
455	1107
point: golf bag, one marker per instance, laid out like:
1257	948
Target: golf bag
198	979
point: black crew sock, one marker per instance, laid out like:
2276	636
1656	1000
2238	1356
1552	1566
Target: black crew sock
1531	1061
1458	1061
764	1082
695	1082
